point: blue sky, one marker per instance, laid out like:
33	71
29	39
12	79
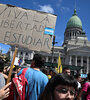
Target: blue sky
62	8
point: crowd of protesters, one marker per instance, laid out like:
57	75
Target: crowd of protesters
45	83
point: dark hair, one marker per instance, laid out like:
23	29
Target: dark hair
58	79
45	71
13	75
88	76
1	64
66	68
39	60
77	75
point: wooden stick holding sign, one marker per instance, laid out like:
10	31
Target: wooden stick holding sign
10	72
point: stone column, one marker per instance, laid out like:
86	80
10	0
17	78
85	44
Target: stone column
11	55
18	54
71	35
87	64
75	60
70	61
23	55
29	56
46	59
67	59
81	62
23	58
32	54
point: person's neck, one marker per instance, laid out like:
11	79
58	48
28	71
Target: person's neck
38	69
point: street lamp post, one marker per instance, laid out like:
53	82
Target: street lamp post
53	43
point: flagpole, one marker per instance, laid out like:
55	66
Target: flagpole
11	68
53	43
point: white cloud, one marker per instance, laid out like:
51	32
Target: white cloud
64	9
59	3
46	8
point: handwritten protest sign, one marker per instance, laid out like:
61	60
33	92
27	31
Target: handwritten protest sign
26	28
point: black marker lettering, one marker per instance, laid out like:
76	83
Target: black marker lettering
29	40
25	15
23	39
39	42
3	11
46	43
19	37
1	23
17	14
7	36
15	38
6	24
19	25
12	24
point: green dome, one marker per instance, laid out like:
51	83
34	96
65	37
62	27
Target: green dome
74	21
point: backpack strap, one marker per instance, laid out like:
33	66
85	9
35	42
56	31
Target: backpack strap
88	90
24	71
21	78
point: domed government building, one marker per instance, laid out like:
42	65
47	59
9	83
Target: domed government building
74	53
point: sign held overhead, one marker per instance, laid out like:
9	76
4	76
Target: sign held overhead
25	28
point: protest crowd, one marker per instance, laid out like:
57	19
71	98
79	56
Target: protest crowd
34	30
36	82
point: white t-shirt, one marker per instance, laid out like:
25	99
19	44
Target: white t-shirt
79	85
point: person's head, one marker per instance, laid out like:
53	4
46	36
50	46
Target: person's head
1	64
38	61
45	71
5	69
78	77
14	74
88	76
66	70
18	68
53	72
60	87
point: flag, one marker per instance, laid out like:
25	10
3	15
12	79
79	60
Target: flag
59	65
49	31
19	61
56	69
13	66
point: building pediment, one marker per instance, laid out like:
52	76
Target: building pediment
80	49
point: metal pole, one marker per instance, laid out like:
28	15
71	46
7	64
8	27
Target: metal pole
52	50
53	43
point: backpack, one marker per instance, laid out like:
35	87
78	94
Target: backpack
88	88
18	87
84	97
